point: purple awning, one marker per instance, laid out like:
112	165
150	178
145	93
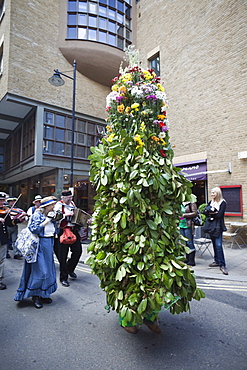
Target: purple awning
194	171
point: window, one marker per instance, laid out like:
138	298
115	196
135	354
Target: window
58	135
1	158
155	64
104	21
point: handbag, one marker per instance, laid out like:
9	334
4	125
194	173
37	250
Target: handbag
198	219
212	227
67	237
28	244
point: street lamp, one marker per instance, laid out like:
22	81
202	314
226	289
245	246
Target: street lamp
56	80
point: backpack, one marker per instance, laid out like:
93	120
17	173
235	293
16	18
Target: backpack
198	219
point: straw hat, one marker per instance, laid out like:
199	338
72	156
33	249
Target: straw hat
37	199
47	201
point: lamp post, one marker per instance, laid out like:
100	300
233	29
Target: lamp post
56	80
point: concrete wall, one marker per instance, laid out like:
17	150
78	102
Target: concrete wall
203	52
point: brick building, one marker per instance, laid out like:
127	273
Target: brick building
199	49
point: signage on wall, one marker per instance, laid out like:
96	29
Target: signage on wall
233	197
194	171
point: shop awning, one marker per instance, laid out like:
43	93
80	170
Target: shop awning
194	171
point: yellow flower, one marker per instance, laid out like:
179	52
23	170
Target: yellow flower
127	110
143	126
161	116
135	106
126	77
110	138
160	87
122	90
138	139
147	75
109	128
120	108
114	87
155	138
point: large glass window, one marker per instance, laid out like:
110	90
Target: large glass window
87	19
58	135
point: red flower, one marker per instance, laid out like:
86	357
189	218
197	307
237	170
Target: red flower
162	153
161	124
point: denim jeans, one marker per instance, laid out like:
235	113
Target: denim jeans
187	233
218	250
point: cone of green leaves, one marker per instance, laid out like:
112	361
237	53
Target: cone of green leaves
136	250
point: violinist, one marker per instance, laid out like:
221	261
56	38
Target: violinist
15	214
5	221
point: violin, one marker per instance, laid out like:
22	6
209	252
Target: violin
4	210
16	213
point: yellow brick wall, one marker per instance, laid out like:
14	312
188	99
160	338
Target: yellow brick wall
203	52
34	54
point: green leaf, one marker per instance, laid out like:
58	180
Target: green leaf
152	225
142	306
104	180
140	266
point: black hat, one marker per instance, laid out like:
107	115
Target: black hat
66	193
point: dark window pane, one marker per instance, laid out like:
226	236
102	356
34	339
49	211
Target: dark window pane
112	26
81	138
91	128
102	1
102	23
90	140
72	19
112	3
120	30
92	34
59	148
48	146
80	152
60	134
60	121
48	132
92	21
128	11
71	34
49	118
120	43
72	5
120	6
112	40
81	126
68	150
102	36
82	20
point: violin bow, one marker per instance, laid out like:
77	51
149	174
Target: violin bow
12	206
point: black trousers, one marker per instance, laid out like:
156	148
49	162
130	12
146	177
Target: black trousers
67	266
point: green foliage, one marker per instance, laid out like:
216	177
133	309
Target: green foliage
136	248
202	209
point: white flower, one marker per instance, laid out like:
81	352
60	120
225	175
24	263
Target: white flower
111	97
136	91
162	135
161	95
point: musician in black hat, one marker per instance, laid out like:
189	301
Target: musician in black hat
5	220
66	206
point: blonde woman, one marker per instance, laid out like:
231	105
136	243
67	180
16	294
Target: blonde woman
215	211
39	278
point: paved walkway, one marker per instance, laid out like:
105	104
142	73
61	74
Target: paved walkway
236	262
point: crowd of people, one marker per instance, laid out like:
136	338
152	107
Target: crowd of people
49	218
